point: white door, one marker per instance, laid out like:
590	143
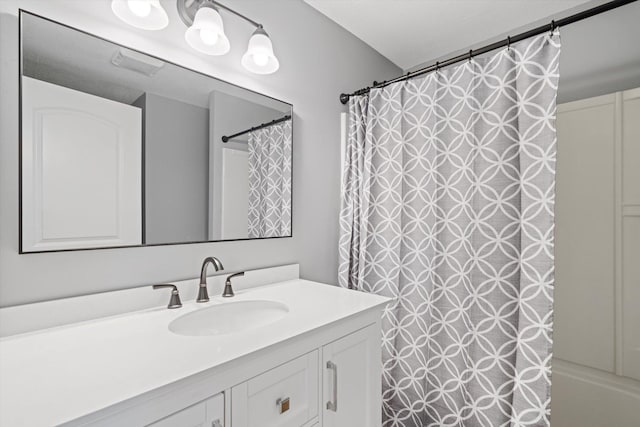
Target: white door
235	194
81	170
352	380
209	413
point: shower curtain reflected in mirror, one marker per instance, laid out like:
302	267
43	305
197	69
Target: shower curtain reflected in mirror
270	181
448	206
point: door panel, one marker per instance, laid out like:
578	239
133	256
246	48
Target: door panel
81	170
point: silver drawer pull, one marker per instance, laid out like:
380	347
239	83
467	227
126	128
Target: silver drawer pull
283	404
332	405
216	423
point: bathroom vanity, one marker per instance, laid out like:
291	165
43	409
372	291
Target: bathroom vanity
281	352
290	353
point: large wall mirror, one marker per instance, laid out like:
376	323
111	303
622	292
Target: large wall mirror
119	148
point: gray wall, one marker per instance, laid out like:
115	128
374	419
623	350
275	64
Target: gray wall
176	171
318	61
599	55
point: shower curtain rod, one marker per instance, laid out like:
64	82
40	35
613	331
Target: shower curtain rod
226	138
344	97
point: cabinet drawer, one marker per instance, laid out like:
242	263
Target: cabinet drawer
207	413
286	396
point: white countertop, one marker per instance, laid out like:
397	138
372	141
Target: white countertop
56	375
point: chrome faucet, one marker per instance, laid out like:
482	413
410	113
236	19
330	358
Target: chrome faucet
203	295
228	290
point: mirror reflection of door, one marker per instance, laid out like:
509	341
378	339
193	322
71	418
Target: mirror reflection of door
81	169
235	197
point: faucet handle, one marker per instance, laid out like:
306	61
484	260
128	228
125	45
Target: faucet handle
228	290
174	301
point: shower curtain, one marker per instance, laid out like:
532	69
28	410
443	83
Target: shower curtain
447	206
269	213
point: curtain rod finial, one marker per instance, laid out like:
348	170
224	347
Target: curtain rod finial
344	98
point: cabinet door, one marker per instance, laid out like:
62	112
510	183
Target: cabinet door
208	413
352	380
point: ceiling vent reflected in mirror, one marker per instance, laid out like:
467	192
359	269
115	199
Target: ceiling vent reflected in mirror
137	62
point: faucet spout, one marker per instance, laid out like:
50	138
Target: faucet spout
203	295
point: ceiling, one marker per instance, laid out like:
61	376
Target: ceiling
411	32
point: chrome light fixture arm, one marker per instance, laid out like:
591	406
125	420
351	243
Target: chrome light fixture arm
187	10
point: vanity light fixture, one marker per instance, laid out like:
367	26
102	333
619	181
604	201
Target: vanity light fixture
205	29
143	14
205	34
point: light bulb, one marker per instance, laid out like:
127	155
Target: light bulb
206	33
144	14
139	8
260	59
208	37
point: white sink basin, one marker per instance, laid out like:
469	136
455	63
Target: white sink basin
229	317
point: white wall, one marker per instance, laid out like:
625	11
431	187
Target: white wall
318	61
596	334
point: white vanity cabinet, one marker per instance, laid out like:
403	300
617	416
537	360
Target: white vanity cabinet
335	385
320	365
342	377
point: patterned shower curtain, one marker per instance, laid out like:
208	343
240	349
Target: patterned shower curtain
270	181
448	206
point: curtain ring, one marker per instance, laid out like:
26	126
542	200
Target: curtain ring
437	66
470	54
509	43
553	26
